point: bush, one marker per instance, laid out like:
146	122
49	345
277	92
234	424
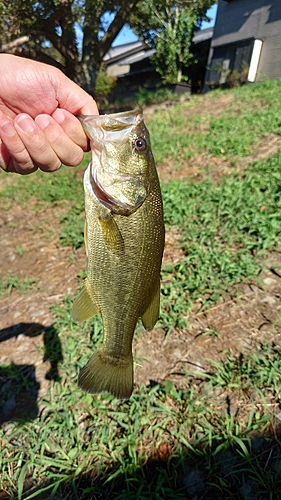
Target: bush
104	85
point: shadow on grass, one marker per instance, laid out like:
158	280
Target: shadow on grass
18	385
223	473
234	465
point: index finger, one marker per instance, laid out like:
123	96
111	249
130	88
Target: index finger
72	127
74	99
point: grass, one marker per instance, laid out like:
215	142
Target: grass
10	282
168	441
225	228
181	132
97	447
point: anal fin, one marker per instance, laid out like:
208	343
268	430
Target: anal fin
83	307
151	314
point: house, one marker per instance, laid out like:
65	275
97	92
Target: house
131	63
119	58
247	36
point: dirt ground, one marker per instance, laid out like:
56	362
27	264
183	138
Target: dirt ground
247	317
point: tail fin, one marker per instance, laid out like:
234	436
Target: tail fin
105	373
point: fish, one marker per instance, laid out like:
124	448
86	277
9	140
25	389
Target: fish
124	242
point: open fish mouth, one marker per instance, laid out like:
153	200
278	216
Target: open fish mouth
113	194
120	191
102	196
99	128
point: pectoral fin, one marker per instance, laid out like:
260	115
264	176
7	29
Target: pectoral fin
111	233
150	316
83	307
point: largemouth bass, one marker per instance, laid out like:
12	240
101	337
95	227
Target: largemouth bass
124	240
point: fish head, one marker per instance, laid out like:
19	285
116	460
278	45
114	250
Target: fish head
122	162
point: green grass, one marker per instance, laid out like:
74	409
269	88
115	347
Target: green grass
179	132
84	446
62	188
168	441
10	282
225	228
58	187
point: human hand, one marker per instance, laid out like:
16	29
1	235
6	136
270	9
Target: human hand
38	128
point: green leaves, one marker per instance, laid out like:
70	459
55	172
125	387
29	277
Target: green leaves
172	43
169	27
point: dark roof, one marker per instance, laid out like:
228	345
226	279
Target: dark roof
201	35
129	53
126	49
137	57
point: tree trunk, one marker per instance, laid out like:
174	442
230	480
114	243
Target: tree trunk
179	76
94	49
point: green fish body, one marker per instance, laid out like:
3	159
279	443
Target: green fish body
124	239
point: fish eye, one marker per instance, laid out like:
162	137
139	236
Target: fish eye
140	144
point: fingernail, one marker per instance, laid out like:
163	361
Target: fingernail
58	115
25	123
8	128
43	121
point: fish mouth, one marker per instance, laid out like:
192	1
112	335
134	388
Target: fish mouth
113	121
119	191
95	185
117	205
102	195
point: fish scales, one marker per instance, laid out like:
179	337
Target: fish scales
124	243
130	275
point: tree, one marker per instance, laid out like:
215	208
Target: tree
75	35
52	31
168	26
173	44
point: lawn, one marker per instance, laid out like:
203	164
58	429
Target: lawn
207	430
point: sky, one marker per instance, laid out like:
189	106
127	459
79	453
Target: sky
126	35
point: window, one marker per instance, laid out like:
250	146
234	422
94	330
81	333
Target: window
230	57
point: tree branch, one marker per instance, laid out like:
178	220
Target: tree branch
117	24
8	47
50	34
38	55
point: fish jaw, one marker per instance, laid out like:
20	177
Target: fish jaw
121	194
93	191
121	156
